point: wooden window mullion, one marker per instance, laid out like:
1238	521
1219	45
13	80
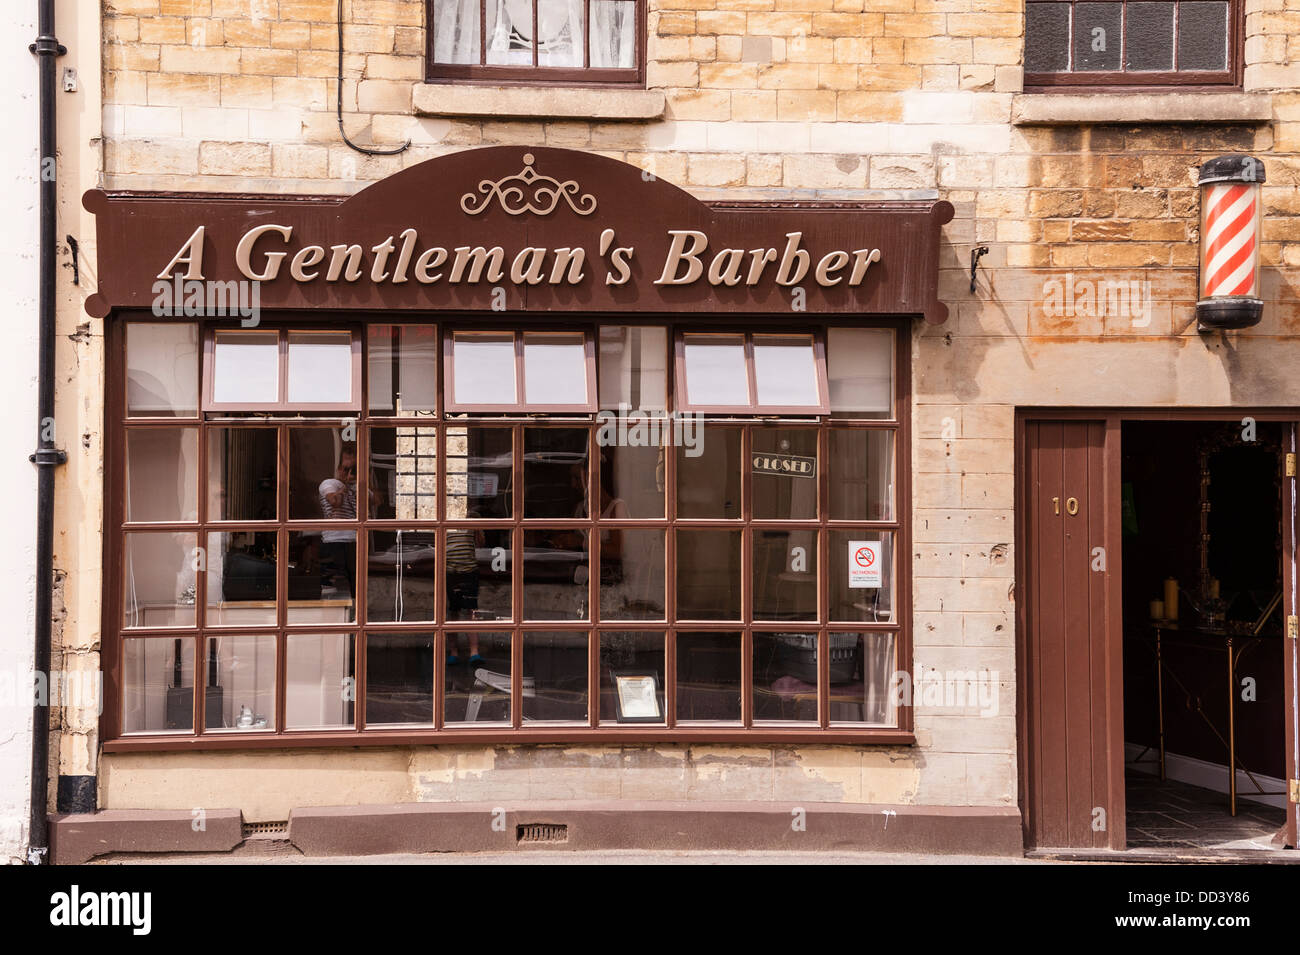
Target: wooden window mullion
535	19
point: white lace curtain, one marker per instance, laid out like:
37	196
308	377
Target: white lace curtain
559	32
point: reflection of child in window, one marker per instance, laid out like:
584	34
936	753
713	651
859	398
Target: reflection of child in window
338	502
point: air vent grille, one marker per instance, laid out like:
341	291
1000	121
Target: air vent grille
265	830
541	832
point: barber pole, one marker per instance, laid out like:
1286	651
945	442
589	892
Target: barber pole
1230	237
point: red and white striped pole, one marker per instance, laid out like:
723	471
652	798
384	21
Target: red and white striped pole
1230	237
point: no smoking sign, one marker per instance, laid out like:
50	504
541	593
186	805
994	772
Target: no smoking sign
864	565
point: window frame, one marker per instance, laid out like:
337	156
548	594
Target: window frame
1120	81
483	73
521	405
282	404
596	730
754	407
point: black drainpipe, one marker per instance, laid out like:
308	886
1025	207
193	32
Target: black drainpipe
47	456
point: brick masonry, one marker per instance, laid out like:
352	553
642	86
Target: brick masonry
792	99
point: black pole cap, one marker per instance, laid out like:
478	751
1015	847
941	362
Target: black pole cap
1235	167
1218	314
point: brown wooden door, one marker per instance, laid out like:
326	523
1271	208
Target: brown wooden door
1071	761
1290	652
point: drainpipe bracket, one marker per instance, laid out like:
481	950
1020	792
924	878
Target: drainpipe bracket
48	457
47	46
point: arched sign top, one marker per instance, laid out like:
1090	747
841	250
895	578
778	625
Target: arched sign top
527	229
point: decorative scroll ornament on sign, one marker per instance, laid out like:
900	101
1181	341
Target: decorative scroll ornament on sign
526	191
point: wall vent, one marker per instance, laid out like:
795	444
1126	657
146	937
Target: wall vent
266	830
538	832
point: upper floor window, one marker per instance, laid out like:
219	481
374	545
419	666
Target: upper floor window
1132	43
579	42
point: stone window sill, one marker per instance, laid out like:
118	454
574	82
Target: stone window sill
1081	109
532	102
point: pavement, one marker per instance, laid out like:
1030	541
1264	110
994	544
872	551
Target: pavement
285	854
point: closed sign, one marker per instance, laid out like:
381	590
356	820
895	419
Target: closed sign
792	465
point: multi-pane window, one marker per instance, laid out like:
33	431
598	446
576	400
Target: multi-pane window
537	41
516	530
1131	42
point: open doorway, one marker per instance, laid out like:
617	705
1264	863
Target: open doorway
1203	634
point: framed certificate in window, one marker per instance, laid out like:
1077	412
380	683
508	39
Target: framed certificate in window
637	695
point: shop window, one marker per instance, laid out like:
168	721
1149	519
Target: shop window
537	41
426	567
320	680
162	475
240	690
162	370
520	372
1131	42
752	373
399	679
634	367
402	370
267	370
242	468
158	676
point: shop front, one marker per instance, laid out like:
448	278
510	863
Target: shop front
514	451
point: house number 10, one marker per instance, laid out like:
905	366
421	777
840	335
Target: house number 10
1071	505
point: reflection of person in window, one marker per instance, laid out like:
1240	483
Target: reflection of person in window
462	586
338	502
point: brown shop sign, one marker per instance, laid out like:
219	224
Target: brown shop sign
534	230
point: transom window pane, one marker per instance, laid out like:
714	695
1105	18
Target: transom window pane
403	369
484	369
320	367
162	370
555	369
633	370
716	372
860	372
785	371
246	367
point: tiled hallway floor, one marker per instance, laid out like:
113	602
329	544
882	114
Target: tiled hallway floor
1173	815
